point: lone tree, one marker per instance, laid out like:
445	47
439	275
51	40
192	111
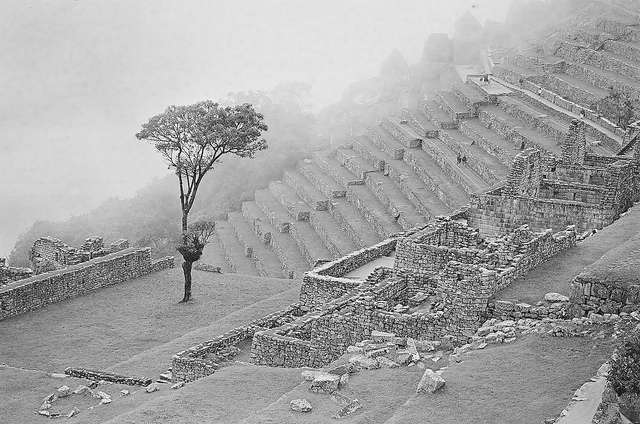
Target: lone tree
618	107
192	139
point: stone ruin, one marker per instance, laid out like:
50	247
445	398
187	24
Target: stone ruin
50	254
438	289
9	274
543	191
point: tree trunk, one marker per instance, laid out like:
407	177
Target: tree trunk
185	226
186	268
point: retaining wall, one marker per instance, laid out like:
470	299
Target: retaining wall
51	287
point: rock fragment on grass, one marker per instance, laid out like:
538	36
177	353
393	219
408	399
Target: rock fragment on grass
430	382
386	362
349	409
153	387
555	297
178	385
300	405
83	391
325	384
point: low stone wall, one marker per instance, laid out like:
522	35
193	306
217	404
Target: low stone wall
486	144
494	214
107	376
192	364
9	274
611	284
51	287
504	309
325	283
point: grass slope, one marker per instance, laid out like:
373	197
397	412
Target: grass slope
556	274
524	382
113	324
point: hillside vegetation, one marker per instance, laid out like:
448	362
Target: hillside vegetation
152	216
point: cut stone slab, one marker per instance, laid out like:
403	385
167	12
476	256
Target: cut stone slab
341	399
310	375
350	409
555	297
345	368
83	390
386	362
63	391
381	336
327	384
364	363
430	382
344	379
178	385
152	388
300	405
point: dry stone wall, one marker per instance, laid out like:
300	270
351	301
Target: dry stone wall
9	274
51	287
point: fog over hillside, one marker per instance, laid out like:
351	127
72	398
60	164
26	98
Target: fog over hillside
79	77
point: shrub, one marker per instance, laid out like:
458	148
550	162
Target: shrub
624	374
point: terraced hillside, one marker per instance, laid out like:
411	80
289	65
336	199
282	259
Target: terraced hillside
394	174
403	170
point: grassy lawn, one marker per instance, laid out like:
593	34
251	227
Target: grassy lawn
556	274
113	324
524	382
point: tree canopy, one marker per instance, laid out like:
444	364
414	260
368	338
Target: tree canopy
192	139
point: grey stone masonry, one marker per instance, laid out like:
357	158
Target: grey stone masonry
428	130
51	287
9	274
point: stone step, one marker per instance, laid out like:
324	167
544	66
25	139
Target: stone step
278	217
419	123
258	221
488	167
353	162
214	256
385	141
373	211
454	107
399	128
437	115
327	185
516	131
514	73
398	206
306	191
353	223
293	261
580	53
266	261
237	261
368	151
623	48
335	170
437	180
603	79
491	142
574	89
298	210
309	242
471	98
310	245
415	190
550	122
332	235
404	178
602	141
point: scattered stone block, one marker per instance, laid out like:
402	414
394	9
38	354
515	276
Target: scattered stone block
345	368
404	358
341	399
349	409
430	382
153	387
83	391
63	391
555	297
178	385
382	337
125	392
300	405
386	362
364	363
344	379
75	411
325	384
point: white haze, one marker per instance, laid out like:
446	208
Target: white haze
79	77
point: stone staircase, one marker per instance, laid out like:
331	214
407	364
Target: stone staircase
403	170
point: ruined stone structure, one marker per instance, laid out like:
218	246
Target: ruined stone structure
9	274
54	286
543	191
49	253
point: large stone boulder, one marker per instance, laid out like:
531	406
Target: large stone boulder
555	297
430	382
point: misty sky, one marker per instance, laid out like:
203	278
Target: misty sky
79	77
